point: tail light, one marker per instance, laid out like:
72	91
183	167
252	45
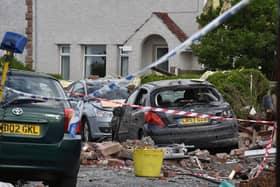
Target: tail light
153	119
68	113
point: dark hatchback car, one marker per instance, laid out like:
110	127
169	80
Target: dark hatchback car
194	96
34	142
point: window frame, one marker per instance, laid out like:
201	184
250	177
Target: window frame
123	54
61	55
156	48
93	55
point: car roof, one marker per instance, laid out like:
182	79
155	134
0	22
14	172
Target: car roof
28	73
176	82
101	80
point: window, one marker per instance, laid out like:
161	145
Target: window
141	97
78	88
123	62
65	62
95	60
159	52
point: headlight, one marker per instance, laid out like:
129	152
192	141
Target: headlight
103	114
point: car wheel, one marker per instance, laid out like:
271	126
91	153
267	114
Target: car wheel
136	133
85	132
142	134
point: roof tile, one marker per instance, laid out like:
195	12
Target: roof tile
171	25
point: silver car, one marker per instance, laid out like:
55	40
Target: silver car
97	114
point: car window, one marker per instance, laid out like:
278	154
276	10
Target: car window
35	85
141	97
117	93
78	88
174	97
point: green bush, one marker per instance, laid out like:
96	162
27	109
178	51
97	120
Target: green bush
235	88
15	64
155	77
57	76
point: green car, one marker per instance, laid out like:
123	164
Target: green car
34	142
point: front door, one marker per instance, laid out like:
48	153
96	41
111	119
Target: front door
159	52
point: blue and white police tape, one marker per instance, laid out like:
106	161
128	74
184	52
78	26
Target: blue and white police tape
191	40
74	122
150	108
35	96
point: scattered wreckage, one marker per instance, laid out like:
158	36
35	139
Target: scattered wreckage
240	167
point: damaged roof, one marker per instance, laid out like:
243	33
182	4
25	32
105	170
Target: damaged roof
171	25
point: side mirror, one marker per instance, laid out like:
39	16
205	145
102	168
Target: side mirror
118	111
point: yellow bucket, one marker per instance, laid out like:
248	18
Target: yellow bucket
147	162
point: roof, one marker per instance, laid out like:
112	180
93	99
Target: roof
172	26
176	82
27	73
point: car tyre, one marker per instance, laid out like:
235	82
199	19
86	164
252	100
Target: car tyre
136	133
85	131
142	134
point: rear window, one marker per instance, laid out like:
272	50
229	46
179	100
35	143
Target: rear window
35	85
177	97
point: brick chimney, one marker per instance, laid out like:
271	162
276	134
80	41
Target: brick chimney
29	32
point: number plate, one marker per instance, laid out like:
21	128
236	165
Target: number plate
189	121
20	129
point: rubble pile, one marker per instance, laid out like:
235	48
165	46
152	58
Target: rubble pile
239	166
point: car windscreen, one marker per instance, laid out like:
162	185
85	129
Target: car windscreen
35	85
117	93
177	97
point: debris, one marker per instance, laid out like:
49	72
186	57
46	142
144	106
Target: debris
226	184
88	155
238	152
175	152
222	157
253	172
108	148
259	152
198	163
169	173
202	155
240	165
116	163
237	169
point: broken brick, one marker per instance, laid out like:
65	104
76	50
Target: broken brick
238	152
169	173
129	163
109	148
116	163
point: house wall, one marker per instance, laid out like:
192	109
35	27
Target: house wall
77	23
154	26
148	48
109	23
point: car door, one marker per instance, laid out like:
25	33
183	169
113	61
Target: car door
134	119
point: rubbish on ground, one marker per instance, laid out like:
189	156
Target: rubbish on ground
239	167
259	152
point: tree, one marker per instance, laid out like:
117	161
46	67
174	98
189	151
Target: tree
246	40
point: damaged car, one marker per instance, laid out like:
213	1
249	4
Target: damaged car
97	114
187	95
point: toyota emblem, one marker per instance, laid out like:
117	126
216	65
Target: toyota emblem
17	111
